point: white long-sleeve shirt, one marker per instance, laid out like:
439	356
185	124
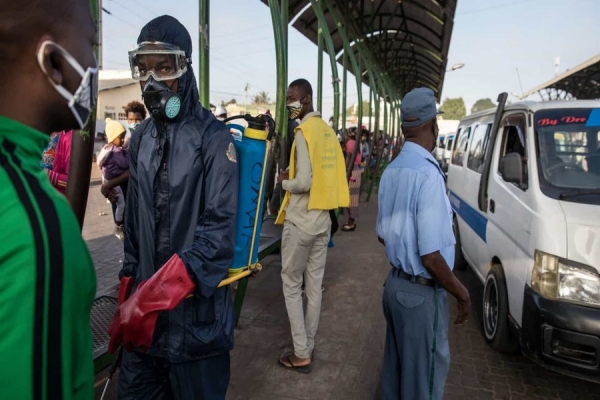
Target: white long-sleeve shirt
313	222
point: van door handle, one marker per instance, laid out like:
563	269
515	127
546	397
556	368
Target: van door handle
492	205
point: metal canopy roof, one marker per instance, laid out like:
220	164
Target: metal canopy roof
581	82
408	39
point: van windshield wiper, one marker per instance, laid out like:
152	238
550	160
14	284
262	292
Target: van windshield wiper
565	195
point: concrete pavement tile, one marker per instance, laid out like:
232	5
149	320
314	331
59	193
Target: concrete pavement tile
269	289
336	350
336	325
254	306
364	395
346	383
265	335
276	313
319	384
369	378
501	391
271	396
248	366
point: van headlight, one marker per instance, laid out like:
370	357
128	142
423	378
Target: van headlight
556	278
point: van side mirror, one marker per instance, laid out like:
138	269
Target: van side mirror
511	168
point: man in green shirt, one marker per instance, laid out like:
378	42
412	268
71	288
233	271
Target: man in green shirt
47	280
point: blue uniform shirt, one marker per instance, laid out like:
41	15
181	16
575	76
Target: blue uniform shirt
415	216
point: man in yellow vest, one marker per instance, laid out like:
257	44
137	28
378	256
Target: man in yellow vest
315	183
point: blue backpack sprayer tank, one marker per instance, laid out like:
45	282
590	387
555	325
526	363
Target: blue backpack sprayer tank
252	144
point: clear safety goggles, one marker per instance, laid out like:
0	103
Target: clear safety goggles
162	61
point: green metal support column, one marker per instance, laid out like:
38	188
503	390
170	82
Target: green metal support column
349	53
364	50
279	30
400	134
82	150
379	161
393	128
392	119
344	94
385	114
317	6
373	135
279	17
359	111
398	130
370	107
285	20
204	54
282	82
320	69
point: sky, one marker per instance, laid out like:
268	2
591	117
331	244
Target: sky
493	38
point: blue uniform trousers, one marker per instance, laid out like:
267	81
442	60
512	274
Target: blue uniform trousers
145	377
417	354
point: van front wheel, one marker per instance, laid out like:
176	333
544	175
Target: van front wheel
496	327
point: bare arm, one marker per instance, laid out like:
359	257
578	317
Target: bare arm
434	232
439	270
108	186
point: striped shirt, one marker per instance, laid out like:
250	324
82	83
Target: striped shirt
47	279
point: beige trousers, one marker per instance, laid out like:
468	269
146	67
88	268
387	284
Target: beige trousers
303	255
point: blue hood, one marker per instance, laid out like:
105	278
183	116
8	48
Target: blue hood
169	30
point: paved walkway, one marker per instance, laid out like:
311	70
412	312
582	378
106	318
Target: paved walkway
349	344
106	249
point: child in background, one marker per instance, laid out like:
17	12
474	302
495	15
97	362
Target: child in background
113	161
56	158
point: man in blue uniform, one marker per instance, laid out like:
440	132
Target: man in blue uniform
414	223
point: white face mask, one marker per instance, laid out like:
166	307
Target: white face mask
83	100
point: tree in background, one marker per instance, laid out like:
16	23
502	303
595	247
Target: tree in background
262	98
482	104
225	104
453	109
353	110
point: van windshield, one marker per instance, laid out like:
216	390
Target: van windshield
568	152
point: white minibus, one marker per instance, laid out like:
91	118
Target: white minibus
524	183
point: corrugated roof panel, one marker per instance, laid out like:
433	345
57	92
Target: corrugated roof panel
420	37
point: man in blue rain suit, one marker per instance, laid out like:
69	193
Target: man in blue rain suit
414	223
177	326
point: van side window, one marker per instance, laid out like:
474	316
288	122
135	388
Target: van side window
449	144
479	144
514	140
462	140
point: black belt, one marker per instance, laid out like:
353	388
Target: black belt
414	279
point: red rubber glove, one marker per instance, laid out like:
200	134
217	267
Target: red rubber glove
134	322
125	288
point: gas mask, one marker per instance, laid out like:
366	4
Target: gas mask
294	109
160	100
83	100
155	63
